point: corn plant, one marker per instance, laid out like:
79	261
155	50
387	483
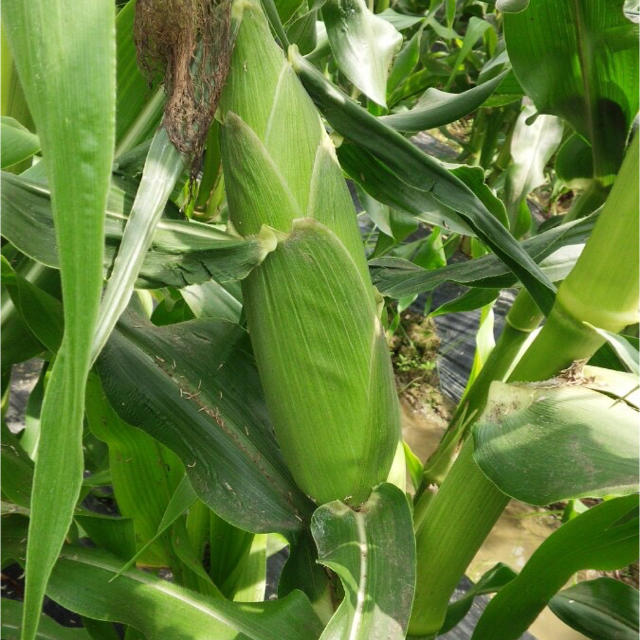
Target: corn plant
210	313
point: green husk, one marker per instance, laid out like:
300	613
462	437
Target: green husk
311	308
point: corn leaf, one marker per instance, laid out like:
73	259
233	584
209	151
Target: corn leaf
100	630
41	311
484	344
162	169
436	108
194	387
165	611
363	45
17	343
381	183
65	55
14	533
626	352
370	549
250	577
476	28
303	572
512	6
182	499
603	538
16	468
541	444
590	56
426	174
181	253
574	162
405	62
490	582
230	548
115	535
602	609
48	629
532	146
18	143
400	21
397	278
133	91
468	301
213	300
144	474
13	104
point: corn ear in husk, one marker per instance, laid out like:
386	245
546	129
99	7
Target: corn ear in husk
311	308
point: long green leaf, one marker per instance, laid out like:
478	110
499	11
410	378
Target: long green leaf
229	550
15	523
182	253
400	20
372	550
405	62
490	582
476	28
182	499
41	311
48	629
532	146
574	162
115	535
589	54
363	45
383	184
601	609
380	183
138	106
12	100
164	611
436	108
16	468
18	143
541	444
162	169
194	387
65	55
603	538
413	165
624	350
144	474
398	278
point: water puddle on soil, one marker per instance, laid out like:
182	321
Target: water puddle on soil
517	534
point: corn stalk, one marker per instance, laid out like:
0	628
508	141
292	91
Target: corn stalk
600	290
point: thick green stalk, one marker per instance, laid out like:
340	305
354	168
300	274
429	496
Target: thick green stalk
523	318
601	289
521	321
451	528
